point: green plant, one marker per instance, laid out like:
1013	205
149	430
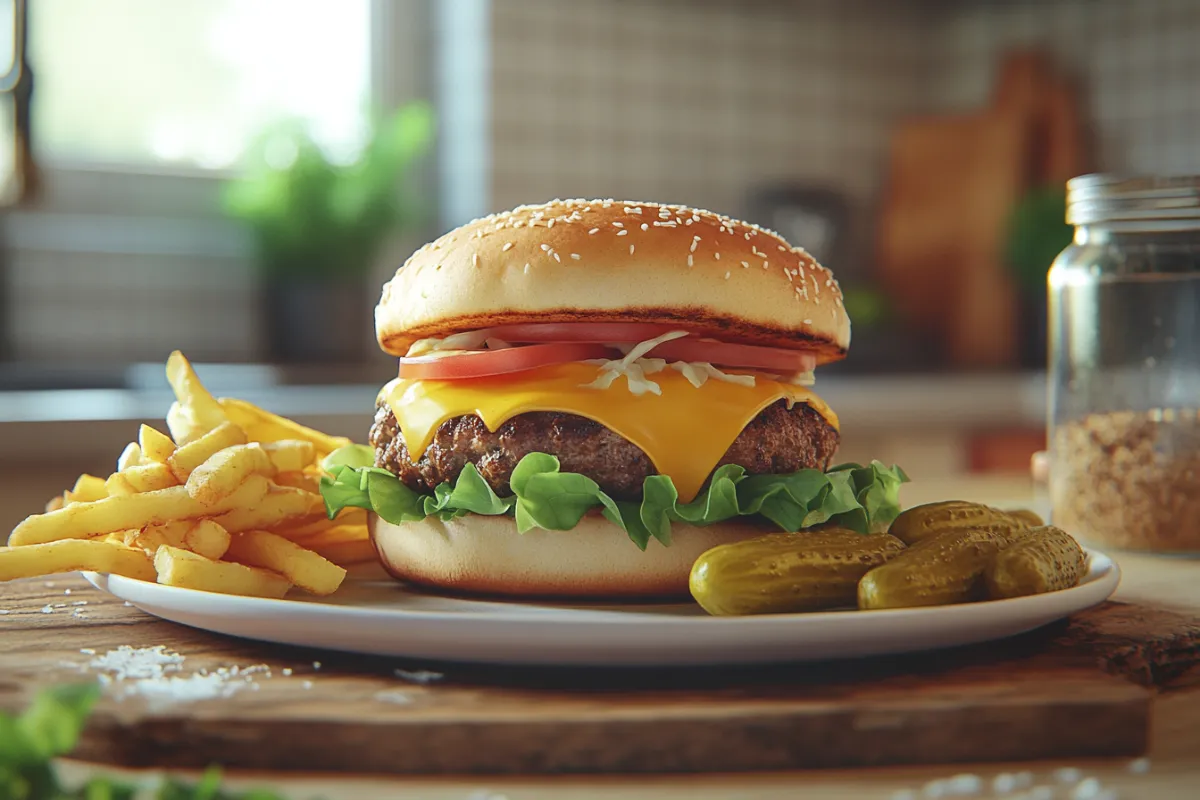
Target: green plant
50	727
1037	233
313	217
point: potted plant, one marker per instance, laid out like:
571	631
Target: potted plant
318	225
1037	233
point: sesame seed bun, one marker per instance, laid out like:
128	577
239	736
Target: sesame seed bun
486	555
606	260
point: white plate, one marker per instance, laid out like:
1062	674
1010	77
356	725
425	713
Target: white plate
378	616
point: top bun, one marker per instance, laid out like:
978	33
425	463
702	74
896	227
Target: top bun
608	260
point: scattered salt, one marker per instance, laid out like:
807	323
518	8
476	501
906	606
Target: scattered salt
87	651
66	591
307	684
904	794
394	696
1004	783
287	671
49	584
1041	793
47	609
1139	766
421	676
1068	775
79	613
4	611
317	665
163	692
1087	789
133	663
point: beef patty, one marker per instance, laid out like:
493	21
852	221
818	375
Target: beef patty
778	440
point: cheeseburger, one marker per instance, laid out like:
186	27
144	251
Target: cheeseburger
593	393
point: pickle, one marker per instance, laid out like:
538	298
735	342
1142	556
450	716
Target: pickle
939	570
925	521
1045	559
1030	518
787	572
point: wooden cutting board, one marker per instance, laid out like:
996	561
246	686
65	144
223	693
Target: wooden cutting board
1086	688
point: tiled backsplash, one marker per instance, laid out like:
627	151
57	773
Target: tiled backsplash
694	101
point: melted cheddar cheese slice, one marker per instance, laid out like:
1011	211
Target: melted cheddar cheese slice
684	431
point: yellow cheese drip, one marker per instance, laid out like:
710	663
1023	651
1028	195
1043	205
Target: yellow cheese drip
684	431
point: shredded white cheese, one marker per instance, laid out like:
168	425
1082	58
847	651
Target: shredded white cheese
698	373
469	340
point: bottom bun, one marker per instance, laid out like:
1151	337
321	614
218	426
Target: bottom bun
486	555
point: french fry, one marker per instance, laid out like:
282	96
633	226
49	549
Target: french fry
117	485
177	567
344	554
156	446
87	489
302	567
72	555
203	537
298	480
291	455
197	412
263	426
150	477
349	518
84	520
195	453
131	456
280	506
56	502
225	470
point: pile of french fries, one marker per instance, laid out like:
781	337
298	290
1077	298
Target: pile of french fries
227	503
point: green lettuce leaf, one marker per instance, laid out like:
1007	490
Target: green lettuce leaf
863	498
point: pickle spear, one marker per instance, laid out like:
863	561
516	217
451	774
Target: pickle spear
926	521
788	572
1045	559
941	570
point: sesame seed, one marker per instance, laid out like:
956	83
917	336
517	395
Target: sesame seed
507	246
550	224
546	248
726	276
745	263
618	224
808	322
576	256
690	260
782	249
645	226
593	231
475	259
633	210
527	269
716	256
695	241
747	235
766	264
789	275
661	224
622	233
688	221
556	256
816	288
630	249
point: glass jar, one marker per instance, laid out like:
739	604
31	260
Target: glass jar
1124	331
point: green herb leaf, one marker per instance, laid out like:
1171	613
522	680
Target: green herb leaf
862	498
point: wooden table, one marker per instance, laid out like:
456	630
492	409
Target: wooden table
1174	748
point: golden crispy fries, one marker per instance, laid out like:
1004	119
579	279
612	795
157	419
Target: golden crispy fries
84	520
344	554
225	471
150	477
131	456
291	455
229	502
176	567
349	518
72	555
192	455
298	480
202	537
263	426
118	485
156	446
281	506
303	568
195	412
87	489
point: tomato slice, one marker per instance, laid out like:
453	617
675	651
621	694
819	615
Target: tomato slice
774	359
599	332
499	362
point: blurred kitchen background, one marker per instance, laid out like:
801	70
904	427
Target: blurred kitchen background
236	178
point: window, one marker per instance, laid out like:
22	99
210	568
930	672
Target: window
190	83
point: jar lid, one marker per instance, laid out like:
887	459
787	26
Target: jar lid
1117	198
